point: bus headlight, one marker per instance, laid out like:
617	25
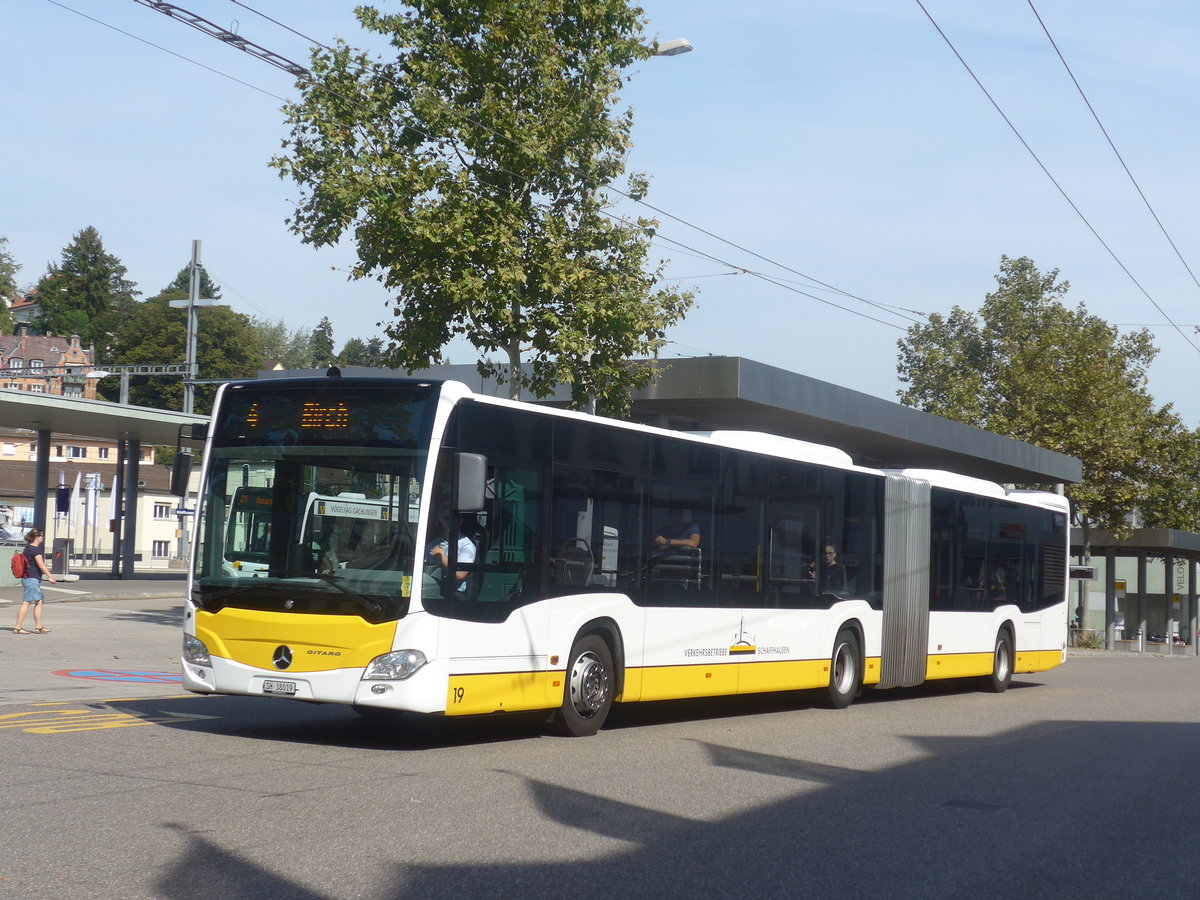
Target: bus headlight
394	666
195	652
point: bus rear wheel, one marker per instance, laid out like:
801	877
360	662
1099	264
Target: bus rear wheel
845	670
1002	665
588	695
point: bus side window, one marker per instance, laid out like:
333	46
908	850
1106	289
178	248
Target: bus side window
794	548
506	536
595	530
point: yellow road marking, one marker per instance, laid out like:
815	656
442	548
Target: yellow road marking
61	721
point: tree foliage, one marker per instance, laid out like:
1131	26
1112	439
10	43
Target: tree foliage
474	171
183	284
86	293
1028	367
291	348
322	343
357	352
154	333
8	285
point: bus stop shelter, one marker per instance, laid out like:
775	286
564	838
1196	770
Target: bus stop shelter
1164	620
130	426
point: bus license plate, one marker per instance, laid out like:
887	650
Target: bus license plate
279	687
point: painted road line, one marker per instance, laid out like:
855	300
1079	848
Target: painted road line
65	721
126	675
62	721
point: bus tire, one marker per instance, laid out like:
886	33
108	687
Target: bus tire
845	670
1002	664
588	693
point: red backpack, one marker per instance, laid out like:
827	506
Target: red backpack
20	564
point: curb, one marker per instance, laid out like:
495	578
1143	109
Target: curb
92	598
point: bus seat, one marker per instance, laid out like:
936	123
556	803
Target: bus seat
574	563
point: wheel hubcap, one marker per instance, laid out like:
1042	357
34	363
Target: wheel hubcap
843	669
589	685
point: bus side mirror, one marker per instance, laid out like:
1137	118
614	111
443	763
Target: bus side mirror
470	479
181	470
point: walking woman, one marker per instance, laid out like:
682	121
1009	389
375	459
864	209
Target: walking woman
35	568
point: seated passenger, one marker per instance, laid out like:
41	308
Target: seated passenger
438	557
833	573
680	532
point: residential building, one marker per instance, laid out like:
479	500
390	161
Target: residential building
47	364
24	307
86	469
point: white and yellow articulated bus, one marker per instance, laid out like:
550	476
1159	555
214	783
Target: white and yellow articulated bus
421	548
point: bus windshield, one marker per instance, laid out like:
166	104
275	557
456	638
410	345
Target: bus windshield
326	510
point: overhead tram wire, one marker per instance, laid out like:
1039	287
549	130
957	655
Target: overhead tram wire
614	189
225	285
1053	180
204	26
142	40
1115	151
282	25
771	280
900	311
298	71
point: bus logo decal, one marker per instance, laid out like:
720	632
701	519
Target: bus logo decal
743	643
282	658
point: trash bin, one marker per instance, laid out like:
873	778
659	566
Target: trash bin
59	556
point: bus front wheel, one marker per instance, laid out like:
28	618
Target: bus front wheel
1002	664
845	670
588	695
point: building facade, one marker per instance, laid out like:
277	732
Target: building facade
47	364
83	472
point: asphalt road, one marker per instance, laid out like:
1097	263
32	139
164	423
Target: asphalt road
1079	782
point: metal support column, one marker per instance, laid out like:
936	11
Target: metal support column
1193	624
1110	599
118	501
1169	600
1141	593
128	542
41	480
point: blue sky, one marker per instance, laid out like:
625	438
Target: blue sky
841	139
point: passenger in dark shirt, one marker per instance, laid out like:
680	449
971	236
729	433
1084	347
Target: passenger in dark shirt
833	573
679	532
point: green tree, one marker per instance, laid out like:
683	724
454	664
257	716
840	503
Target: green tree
8	285
183	284
227	346
1171	494
376	352
354	353
474	171
357	352
290	348
86	293
1029	367
322	342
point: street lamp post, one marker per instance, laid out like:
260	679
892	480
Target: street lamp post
671	48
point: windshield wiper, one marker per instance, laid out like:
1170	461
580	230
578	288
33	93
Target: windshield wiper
208	594
371	606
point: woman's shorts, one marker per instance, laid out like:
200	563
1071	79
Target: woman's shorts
33	590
